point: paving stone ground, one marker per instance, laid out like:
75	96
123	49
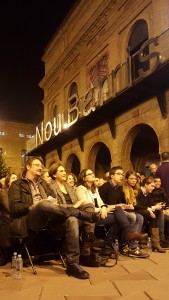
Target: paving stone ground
134	279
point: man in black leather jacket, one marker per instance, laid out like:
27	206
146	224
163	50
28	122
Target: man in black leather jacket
33	207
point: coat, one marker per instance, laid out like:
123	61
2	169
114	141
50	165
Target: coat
86	195
60	196
20	199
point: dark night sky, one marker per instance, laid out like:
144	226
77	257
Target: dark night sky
26	27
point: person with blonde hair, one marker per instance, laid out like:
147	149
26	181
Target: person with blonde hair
153	170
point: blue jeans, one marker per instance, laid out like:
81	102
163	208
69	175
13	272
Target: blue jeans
136	221
117	221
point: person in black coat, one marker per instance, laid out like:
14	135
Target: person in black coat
33	206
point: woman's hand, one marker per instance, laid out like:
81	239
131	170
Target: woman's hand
129	206
110	208
122	205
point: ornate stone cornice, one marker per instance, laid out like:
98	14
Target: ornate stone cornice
68	56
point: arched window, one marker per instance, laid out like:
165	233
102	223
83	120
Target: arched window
55	111
72	101
73	89
138	36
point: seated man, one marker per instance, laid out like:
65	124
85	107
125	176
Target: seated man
33	207
112	194
159	196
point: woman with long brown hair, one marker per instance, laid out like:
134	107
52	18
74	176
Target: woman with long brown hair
109	215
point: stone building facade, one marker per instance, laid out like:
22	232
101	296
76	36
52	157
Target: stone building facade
13	137
106	88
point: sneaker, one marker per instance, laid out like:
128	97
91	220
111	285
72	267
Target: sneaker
134	252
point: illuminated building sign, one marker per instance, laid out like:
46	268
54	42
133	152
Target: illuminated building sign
97	96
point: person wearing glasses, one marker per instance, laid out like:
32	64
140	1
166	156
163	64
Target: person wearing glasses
33	206
66	194
112	194
88	193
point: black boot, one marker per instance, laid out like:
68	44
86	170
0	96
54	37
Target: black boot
88	261
90	237
76	271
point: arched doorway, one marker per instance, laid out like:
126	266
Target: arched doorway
100	159
73	164
144	148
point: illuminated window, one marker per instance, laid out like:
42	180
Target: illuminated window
21	135
2	132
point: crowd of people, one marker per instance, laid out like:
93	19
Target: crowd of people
129	206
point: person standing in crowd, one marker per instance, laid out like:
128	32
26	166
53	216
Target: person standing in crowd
150	211
163	172
153	169
112	193
33	206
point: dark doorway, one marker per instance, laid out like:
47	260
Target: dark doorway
75	169
73	165
145	148
103	160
